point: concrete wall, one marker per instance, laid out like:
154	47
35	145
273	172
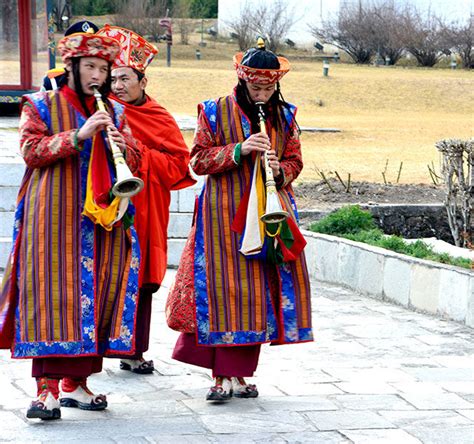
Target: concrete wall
181	216
417	284
11	173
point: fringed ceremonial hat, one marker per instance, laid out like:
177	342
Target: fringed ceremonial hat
86	43
136	52
258	65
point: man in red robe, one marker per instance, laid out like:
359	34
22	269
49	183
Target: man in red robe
164	167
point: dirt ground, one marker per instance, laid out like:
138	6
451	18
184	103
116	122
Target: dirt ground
318	195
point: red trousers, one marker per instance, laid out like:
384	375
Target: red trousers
224	361
58	368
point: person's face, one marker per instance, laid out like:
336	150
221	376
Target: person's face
92	71
259	92
126	86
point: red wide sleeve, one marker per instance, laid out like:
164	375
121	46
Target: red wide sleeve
206	157
38	147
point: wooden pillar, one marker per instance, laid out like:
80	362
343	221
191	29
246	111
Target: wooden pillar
24	21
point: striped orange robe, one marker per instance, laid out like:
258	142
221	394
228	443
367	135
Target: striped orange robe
70	288
241	300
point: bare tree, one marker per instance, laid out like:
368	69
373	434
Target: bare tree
385	28
142	16
352	31
181	14
241	27
273	21
423	37
458	172
386	17
460	38
132	15
269	20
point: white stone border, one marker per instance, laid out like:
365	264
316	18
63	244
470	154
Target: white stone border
417	284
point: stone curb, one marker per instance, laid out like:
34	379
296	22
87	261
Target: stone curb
417	284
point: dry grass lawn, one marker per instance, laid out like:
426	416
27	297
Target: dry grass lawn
384	113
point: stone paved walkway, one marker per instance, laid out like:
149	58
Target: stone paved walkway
9	144
377	373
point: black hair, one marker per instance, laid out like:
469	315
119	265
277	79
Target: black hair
104	89
139	74
260	58
60	79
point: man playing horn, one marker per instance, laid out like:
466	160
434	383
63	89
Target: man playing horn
164	167
240	282
69	292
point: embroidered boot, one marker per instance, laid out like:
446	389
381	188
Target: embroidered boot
46	406
243	390
74	393
221	390
139	366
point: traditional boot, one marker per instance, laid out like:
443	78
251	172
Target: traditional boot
46	405
221	390
74	393
139	366
243	390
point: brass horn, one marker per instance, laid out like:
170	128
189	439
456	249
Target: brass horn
126	184
274	213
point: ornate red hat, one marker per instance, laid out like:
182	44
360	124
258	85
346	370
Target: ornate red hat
136	52
88	44
258	75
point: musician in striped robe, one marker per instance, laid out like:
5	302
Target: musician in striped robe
239	298
70	288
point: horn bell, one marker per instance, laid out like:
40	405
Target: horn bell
126	185
274	213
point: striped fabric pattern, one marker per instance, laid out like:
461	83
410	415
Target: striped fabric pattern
50	294
234	301
112	266
63	307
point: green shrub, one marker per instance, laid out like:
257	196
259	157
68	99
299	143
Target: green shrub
367	237
355	224
346	220
420	250
394	243
460	262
